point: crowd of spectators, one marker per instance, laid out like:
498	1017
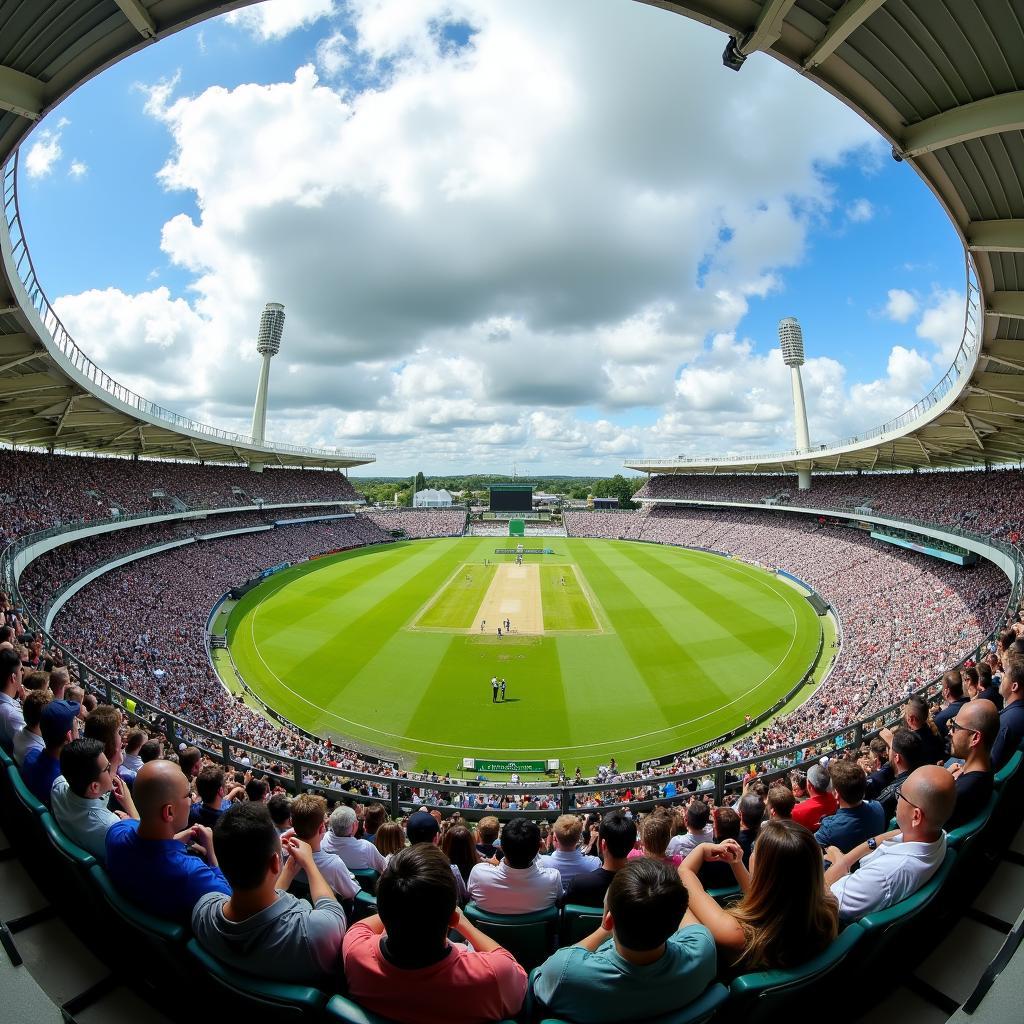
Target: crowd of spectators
38	491
419	523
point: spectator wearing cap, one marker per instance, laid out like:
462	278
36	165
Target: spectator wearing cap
259	929
423	827
518	885
616	838
401	964
30	738
644	959
972	732
894	865
821	802
309	822
41	767
358	854
567	858
79	796
11	694
856	818
148	860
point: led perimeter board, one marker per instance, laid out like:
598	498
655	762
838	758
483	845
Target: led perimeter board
511	497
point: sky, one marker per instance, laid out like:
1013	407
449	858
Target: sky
558	236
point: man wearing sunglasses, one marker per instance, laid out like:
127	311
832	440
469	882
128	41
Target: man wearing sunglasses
972	731
896	864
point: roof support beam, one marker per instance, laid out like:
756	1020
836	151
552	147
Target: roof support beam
767	28
989	116
140	18
849	17
995	235
21	94
10	364
1008	304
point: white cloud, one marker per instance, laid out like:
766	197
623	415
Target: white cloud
496	248
78	169
900	306
942	323
332	54
860	211
275	19
44	153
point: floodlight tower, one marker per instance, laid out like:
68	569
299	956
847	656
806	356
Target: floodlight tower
791	341
268	344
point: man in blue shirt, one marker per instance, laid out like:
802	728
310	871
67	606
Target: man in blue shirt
148	860
953	695
857	819
57	726
1011	718
640	962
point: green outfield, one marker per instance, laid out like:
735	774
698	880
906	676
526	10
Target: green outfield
617	649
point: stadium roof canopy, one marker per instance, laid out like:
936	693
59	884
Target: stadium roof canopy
943	81
51	393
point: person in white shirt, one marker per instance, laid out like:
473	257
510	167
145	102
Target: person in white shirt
896	864
78	798
358	854
566	858
30	738
11	695
518	885
698	830
309	823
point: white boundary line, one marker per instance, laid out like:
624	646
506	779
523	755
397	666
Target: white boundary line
747	570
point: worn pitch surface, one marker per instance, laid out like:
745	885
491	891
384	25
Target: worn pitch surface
646	649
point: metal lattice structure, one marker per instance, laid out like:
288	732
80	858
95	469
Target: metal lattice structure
52	394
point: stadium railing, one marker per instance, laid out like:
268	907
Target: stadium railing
397	790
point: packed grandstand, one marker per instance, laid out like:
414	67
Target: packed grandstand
220	860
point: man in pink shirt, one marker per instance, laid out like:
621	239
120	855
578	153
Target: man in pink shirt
822	801
406	950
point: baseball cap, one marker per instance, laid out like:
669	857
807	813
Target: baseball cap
819	778
422	827
57	720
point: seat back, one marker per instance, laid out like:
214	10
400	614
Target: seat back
530	938
246	997
26	812
726	894
72	875
367	879
346	1012
700	1010
890	933
967	834
767	997
578	922
1009	769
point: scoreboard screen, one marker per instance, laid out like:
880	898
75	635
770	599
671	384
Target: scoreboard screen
512	498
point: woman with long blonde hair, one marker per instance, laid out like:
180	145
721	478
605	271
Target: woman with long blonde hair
785	917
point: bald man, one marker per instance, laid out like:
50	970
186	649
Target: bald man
148	860
972	731
896	864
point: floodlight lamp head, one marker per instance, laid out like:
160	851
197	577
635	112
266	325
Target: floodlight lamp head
268	341
733	57
791	341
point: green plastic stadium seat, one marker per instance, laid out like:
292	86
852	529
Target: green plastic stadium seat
255	999
72	875
578	922
960	837
1009	769
890	933
530	938
699	1011
26	831
726	894
367	880
6	761
767	997
153	947
344	1011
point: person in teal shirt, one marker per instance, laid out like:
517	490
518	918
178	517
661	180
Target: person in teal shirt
640	963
